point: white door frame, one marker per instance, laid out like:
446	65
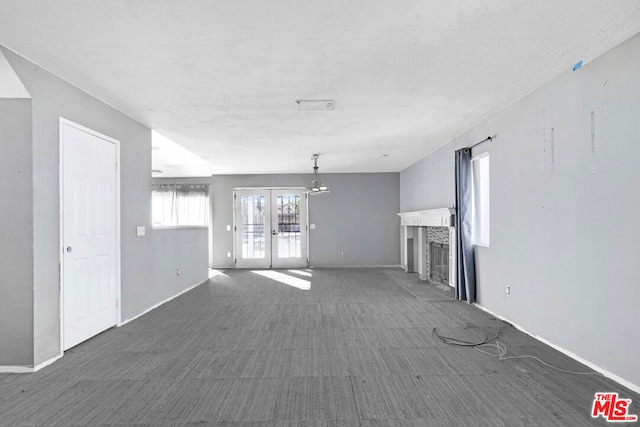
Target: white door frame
233	202
257	263
64	122
304	232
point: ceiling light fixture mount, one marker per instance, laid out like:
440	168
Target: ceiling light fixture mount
316	186
315	104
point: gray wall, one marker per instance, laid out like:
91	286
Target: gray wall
53	98
174	248
430	183
16	233
564	210
356	223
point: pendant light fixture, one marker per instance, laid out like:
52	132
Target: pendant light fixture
316	186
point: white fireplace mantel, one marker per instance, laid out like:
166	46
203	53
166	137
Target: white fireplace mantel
443	217
414	239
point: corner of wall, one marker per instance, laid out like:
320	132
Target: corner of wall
16	233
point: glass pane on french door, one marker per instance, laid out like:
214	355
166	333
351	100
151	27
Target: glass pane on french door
271	228
253	237
289	219
289	239
252	228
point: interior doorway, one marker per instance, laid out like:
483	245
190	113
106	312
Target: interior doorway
90	229
271	228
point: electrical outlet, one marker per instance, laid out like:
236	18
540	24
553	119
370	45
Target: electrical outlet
507	290
228	254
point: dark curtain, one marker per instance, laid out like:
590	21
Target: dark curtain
466	270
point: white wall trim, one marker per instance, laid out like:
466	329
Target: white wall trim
47	362
16	369
124	322
606	373
441	217
359	266
28	369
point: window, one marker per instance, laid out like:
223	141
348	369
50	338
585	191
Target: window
181	204
480	202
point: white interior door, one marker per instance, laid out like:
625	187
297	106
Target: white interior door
271	228
89	233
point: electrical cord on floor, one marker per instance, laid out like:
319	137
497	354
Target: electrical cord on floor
462	342
501	349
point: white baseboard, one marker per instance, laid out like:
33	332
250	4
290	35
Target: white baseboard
16	369
566	352
8	369
358	266
28	369
124	322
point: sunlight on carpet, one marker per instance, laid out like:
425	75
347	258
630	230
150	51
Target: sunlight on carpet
295	282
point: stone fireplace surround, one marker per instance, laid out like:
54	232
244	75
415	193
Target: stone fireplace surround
418	229
434	235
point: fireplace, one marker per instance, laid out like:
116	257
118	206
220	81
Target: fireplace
439	263
436	255
428	245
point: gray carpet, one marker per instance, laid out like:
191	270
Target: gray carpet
356	349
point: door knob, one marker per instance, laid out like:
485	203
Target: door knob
274	232
69	249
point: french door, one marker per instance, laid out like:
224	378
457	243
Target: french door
271	228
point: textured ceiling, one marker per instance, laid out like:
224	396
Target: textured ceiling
221	78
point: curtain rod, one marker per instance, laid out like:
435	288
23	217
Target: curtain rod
489	138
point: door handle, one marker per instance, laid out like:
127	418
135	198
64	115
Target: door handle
69	249
274	232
